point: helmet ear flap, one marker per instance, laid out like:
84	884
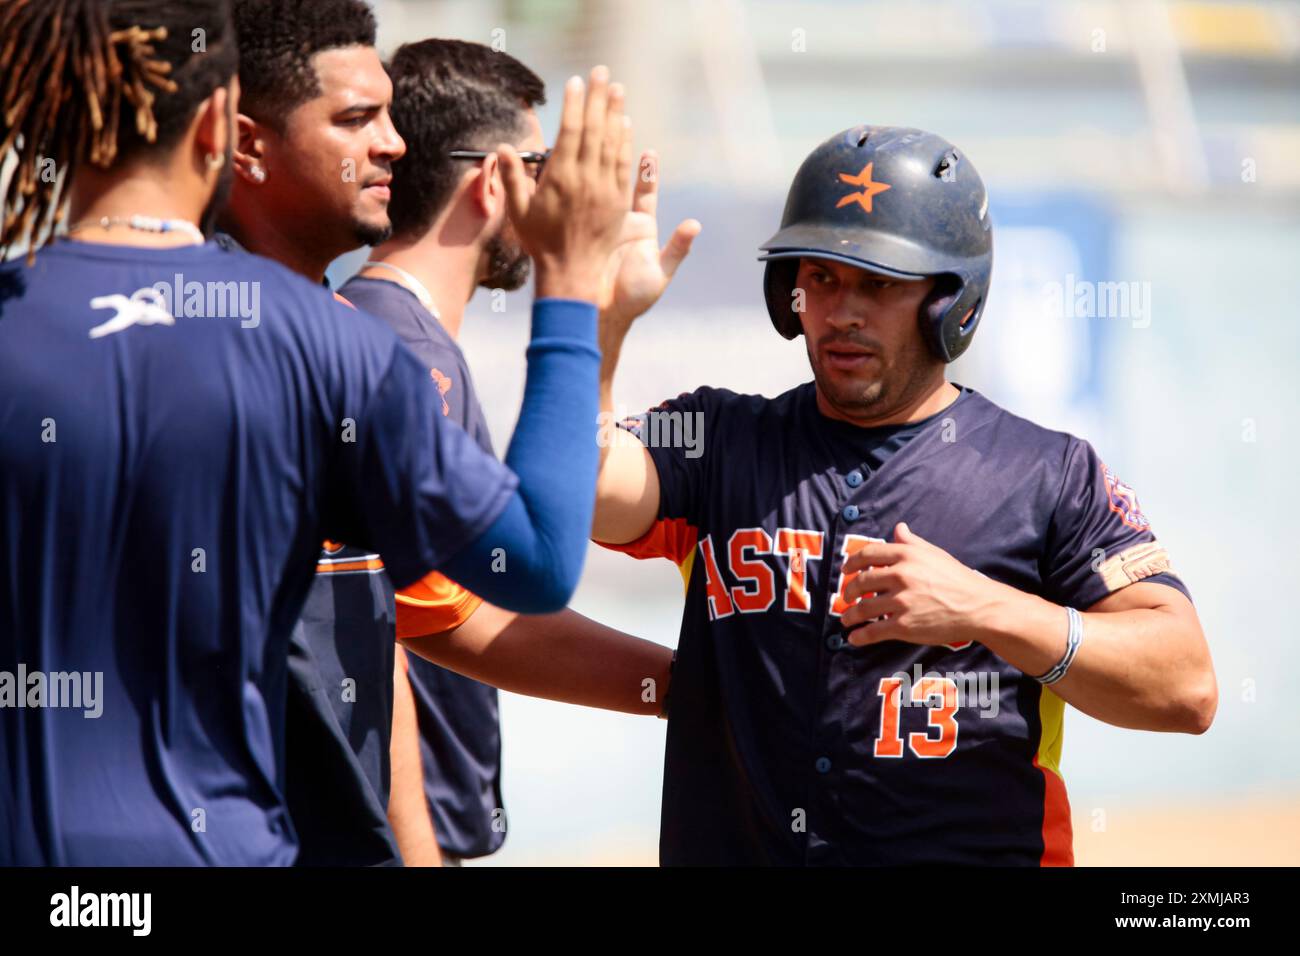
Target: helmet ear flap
935	310
779	277
949	315
951	312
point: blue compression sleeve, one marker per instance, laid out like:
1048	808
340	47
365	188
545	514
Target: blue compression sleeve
530	558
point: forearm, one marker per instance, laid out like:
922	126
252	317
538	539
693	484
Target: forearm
1143	668
555	424
408	811
531	557
563	657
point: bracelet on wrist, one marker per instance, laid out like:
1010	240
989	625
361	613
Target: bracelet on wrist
1074	638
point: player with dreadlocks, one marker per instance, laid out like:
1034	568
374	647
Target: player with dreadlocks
168	472
57	50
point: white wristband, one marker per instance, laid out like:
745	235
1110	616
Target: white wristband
1073	639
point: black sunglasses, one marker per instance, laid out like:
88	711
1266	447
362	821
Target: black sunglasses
528	156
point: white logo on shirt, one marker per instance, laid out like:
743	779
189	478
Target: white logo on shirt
145	307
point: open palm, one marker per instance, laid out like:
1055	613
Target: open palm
639	270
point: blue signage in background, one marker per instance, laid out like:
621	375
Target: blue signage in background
1043	336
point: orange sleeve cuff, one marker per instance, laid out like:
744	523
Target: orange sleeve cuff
432	605
671	538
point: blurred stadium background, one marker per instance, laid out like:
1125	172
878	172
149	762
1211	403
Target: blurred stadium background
1153	144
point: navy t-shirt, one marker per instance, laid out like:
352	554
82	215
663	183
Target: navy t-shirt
182	429
460	730
339	708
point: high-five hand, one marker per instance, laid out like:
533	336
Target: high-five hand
572	222
639	271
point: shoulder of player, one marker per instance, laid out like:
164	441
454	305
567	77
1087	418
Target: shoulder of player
216	263
328	313
371	293
399	310
418	331
279	284
381	297
309	320
1061	458
728	416
709	399
1015	430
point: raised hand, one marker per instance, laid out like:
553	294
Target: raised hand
639	271
573	220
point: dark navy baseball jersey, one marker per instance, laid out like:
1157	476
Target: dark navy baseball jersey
339	713
786	745
126	395
460	730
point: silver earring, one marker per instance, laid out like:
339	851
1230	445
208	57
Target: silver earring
258	174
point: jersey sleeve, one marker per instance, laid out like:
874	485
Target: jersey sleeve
1099	540
408	483
675	434
432	605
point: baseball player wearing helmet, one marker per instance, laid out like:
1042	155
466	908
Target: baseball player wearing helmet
894	586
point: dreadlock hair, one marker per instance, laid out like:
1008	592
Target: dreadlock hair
277	40
98	81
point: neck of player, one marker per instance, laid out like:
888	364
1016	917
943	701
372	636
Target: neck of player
293	244
926	398
119	195
447	269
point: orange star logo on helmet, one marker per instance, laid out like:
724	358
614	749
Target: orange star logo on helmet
869	188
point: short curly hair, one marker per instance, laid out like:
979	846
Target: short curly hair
278	38
450	94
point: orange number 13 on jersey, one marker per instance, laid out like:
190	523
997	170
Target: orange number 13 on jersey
939	696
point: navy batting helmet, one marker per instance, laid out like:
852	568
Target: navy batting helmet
901	202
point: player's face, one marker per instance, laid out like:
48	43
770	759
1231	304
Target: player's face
507	263
332	166
864	338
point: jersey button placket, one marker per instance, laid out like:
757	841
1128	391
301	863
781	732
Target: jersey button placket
827	745
853	515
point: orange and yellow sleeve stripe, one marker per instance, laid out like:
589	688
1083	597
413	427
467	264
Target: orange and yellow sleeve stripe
671	538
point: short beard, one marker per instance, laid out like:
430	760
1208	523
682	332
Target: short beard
368	234
876	399
507	266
